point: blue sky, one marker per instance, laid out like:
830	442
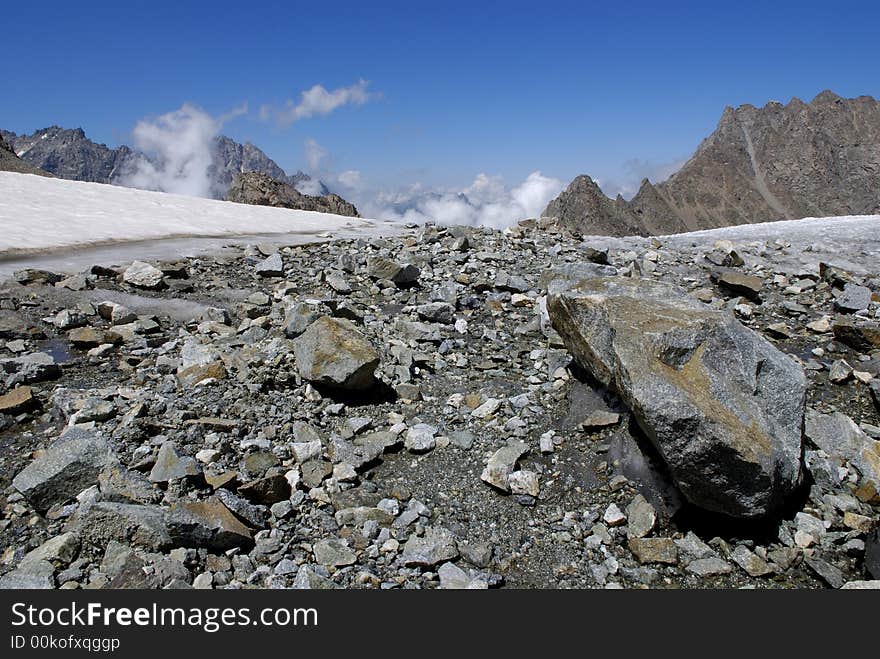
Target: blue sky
616	90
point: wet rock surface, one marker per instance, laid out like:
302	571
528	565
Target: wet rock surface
401	413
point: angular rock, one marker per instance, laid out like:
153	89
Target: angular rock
132	524
453	577
840	372
753	564
709	567
37	575
207	524
420	438
739	283
525	482
333	552
852	298
437	312
266	490
143	275
861	335
61	549
297	318
20	399
437	546
721	404
123	486
502	463
401	274
333	353
641	518
654	550
170	465
32	367
271	266
841	438
67	467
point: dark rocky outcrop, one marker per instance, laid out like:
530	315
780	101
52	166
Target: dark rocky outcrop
10	162
262	190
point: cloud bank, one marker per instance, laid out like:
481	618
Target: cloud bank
178	147
319	101
487	201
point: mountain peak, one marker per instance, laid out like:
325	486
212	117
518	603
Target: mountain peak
759	165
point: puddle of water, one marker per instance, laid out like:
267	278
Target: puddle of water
58	349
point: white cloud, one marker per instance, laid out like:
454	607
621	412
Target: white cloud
179	147
319	101
487	201
351	179
315	153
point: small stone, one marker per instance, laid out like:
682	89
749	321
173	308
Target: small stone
654	550
334	552
753	564
20	399
437	546
487	409
524	482
420	438
709	567
170	465
600	419
820	326
207	524
840	372
453	577
61	549
829	573
739	283
641	518
143	275
614	516
502	463
852	298
334	353
857	522
271	266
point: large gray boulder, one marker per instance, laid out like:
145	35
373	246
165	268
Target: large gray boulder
723	407
333	352
67	467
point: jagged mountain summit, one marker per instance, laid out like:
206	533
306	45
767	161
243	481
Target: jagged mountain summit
263	190
778	162
70	154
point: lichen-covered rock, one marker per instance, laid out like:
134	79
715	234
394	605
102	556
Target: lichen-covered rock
722	405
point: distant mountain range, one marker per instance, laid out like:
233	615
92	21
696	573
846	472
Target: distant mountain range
764	164
67	153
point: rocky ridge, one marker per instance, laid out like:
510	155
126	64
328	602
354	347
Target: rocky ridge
777	162
10	162
263	190
209	440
